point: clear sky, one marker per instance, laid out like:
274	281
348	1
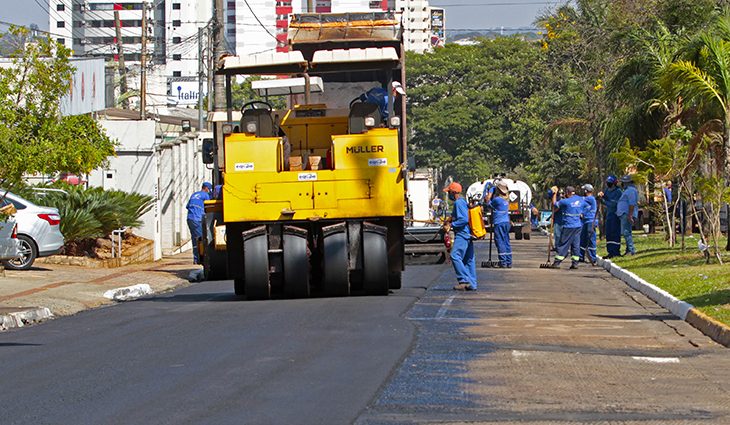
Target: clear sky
462	13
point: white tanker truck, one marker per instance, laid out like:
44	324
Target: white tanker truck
520	198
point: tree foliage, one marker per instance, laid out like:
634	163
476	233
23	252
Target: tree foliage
35	138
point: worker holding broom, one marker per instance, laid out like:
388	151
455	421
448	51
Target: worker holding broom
497	201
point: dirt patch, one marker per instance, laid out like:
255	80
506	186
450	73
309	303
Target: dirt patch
101	248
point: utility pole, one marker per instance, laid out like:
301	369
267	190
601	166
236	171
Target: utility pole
120	62
143	67
209	50
201	75
218	36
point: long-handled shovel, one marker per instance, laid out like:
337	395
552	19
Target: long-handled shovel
548	265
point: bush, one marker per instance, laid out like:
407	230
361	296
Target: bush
94	212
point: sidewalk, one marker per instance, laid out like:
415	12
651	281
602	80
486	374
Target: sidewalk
538	346
66	290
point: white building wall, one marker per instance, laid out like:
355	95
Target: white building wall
169	171
134	169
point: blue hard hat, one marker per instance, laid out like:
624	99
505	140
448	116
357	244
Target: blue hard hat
208	185
611	179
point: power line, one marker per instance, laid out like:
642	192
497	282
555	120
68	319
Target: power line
531	3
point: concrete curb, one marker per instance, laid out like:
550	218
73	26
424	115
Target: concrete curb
719	332
19	319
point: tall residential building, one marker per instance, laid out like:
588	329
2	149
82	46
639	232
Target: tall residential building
88	27
253	26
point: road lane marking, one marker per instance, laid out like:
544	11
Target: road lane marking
656	359
445	307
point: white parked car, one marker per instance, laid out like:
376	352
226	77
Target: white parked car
9	244
38	231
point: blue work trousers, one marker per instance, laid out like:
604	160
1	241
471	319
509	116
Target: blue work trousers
588	242
557	230
569	242
501	240
626	232
613	234
462	257
196	232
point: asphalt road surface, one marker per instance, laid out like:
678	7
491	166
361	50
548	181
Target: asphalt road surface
531	346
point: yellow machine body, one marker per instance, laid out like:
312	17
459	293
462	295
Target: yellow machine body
365	178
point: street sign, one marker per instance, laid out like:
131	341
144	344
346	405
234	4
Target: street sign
184	92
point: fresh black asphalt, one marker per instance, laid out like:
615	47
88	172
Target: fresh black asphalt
200	356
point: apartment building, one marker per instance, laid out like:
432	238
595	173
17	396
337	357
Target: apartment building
88	27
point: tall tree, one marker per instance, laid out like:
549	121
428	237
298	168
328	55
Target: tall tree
35	138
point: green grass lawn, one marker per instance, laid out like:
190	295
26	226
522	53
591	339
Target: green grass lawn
683	274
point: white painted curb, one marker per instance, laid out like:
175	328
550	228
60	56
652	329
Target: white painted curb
128	292
22	318
676	306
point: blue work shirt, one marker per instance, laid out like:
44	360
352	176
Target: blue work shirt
572	209
500	210
460	219
668	194
629	197
196	205
589	212
610	199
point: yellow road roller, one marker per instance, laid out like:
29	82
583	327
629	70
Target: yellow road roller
312	197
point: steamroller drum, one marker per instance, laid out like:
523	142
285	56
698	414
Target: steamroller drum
336	276
375	264
256	268
296	266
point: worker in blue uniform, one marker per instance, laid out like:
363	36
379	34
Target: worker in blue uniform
497	201
588	233
609	198
462	250
571	207
627	210
557	218
196	213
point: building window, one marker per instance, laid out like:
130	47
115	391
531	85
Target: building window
60	7
61	41
176	40
60	24
231	31
176	23
177	73
176	6
231	5
177	57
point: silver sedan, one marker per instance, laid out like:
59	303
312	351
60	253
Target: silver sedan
39	234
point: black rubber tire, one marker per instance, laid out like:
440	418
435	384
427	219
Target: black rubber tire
239	287
256	268
395	280
215	263
335	274
518	235
375	264
296	267
527	236
29	251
